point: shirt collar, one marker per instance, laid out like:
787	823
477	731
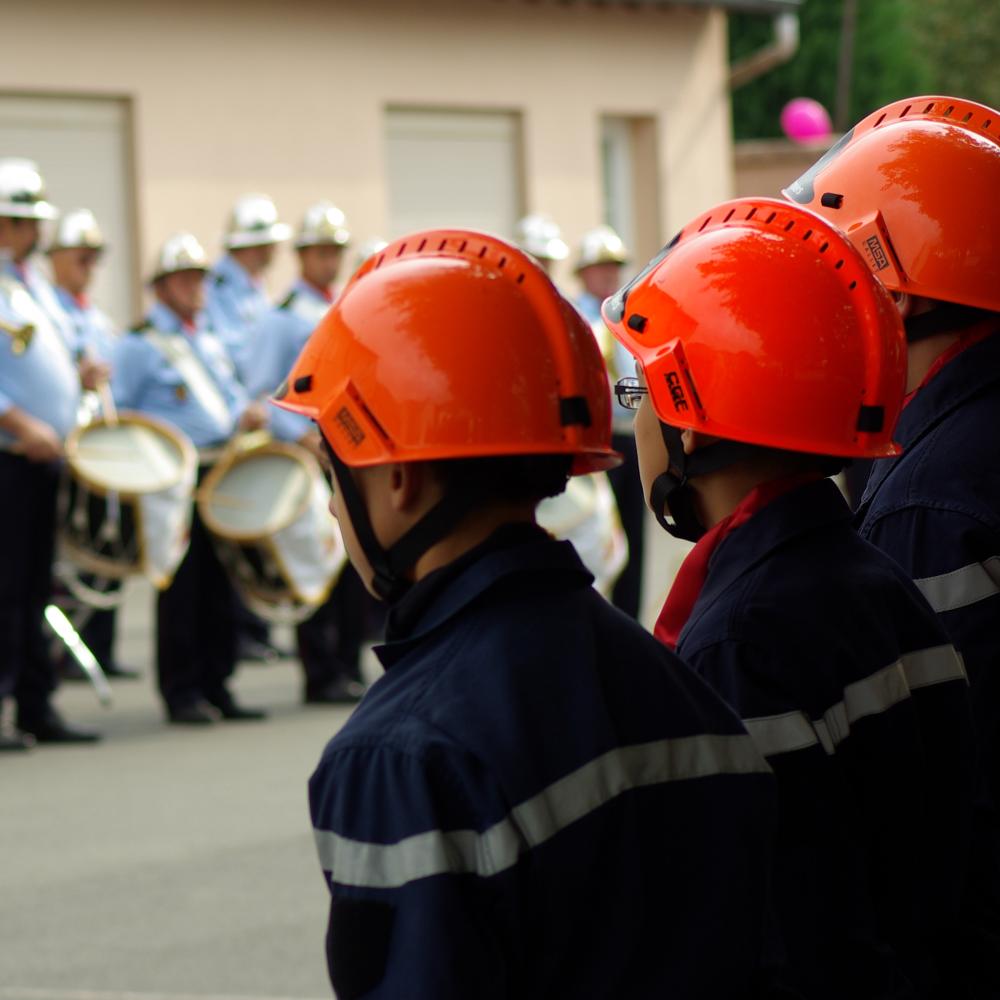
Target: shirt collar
799	512
958	381
233	271
510	551
164	319
308	289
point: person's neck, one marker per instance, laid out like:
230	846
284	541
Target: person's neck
922	354
718	494
472	531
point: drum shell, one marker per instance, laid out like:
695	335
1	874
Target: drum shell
283	566
118	530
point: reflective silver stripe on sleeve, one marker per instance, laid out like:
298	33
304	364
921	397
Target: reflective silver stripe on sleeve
440	852
877	693
962	587
934	666
781	733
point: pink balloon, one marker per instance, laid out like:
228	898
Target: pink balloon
805	120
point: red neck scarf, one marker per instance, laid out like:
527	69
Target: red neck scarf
694	570
970	337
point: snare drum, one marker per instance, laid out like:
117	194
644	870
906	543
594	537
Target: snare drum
586	514
125	503
267	509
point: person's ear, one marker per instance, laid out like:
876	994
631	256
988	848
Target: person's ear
693	440
407	482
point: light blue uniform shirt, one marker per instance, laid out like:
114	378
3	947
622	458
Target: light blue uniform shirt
234	303
42	378
43	292
620	364
95	333
144	379
276	342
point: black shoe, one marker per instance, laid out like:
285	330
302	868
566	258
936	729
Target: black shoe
52	729
196	713
227	707
255	651
120	673
15	741
342	691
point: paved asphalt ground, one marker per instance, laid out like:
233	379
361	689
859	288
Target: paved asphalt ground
176	864
165	863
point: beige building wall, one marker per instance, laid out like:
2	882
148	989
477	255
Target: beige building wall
289	98
765	166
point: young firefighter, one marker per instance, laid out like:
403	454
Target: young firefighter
915	187
536	799
769	355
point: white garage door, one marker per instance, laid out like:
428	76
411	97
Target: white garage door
453	168
81	146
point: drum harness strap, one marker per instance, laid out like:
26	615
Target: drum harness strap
199	381
391	564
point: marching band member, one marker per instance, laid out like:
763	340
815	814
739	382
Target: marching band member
236	295
236	300
540	236
77	246
768	356
599	263
172	366
39	397
329	642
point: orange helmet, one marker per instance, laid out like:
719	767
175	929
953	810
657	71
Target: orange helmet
759	323
453	344
912	185
448	344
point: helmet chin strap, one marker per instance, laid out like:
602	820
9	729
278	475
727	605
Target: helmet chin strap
391	565
671	491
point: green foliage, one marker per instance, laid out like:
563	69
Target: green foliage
887	61
957	39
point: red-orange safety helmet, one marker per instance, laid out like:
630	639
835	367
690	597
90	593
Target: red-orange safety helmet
760	323
914	185
454	344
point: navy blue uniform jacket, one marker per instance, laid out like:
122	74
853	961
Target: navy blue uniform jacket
538	800
846	680
936	511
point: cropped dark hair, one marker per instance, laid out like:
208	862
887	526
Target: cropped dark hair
508	478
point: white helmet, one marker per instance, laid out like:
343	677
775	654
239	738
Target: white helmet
22	191
368	249
77	229
182	252
253	222
323	225
601	245
541	237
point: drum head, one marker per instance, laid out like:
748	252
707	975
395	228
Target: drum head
130	458
258	495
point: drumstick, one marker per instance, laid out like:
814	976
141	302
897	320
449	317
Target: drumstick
108	403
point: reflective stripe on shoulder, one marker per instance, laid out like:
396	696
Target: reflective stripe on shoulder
538	819
877	693
962	587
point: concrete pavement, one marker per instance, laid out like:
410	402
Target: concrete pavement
165	862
